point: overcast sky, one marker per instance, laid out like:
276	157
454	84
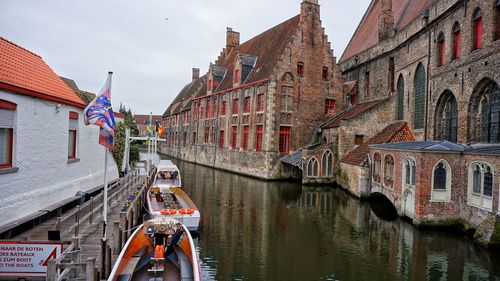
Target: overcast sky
151	45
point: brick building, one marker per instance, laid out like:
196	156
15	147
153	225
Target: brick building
259	101
142	121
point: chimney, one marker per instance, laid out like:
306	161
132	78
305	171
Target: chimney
386	21
196	73
232	39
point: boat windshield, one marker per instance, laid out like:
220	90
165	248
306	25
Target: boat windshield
167	178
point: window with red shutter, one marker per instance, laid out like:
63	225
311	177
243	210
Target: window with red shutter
260	102
246	108
244	142
284	140
221	139
234	136
194	138
258	138
235	106
440	49
223	109
236	77
329	107
72	134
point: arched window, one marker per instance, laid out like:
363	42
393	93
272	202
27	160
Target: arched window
409	172
312	167
419	82
441	182
401	98
477	29
455	52
440	49
327	161
377	167
480	185
388	170
446	119
484	113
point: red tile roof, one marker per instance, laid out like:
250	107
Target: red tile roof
395	132
366	34
24	72
349	113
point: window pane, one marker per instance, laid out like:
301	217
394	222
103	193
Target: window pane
4	146
407	172
476	180
418	118
440	177
71	143
488	182
413	173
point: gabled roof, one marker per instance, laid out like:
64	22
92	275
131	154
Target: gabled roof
24	72
191	90
366	34
267	47
394	133
86	97
349	113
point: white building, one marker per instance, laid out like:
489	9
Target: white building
47	154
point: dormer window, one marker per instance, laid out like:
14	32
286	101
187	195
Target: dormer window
300	69
236	77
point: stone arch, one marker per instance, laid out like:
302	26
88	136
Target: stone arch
419	83
400	90
446	117
484	113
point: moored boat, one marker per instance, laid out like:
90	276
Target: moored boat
161	249
166	197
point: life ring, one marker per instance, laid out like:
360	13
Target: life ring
168	212
184	211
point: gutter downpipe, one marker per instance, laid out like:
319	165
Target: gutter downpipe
428	86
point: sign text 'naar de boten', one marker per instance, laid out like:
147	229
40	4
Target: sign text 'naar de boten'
27	259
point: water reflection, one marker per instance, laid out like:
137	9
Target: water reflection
256	230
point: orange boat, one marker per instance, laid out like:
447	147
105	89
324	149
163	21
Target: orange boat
161	249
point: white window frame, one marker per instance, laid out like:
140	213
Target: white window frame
480	200
441	195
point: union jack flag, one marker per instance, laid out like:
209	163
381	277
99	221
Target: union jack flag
100	113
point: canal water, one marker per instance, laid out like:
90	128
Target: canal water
257	230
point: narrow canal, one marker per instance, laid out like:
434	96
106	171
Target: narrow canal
257	230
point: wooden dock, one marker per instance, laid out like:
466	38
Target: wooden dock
87	256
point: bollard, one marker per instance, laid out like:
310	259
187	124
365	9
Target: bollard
116	237
75	256
77	220
89	269
51	270
103	258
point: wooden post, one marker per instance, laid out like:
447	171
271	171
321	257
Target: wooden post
75	256
91	217
77	220
103	258
89	269
109	263
51	270
123	227
116	237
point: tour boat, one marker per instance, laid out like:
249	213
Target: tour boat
167	175
161	249
166	197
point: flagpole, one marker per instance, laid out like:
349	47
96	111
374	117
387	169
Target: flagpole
105	193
